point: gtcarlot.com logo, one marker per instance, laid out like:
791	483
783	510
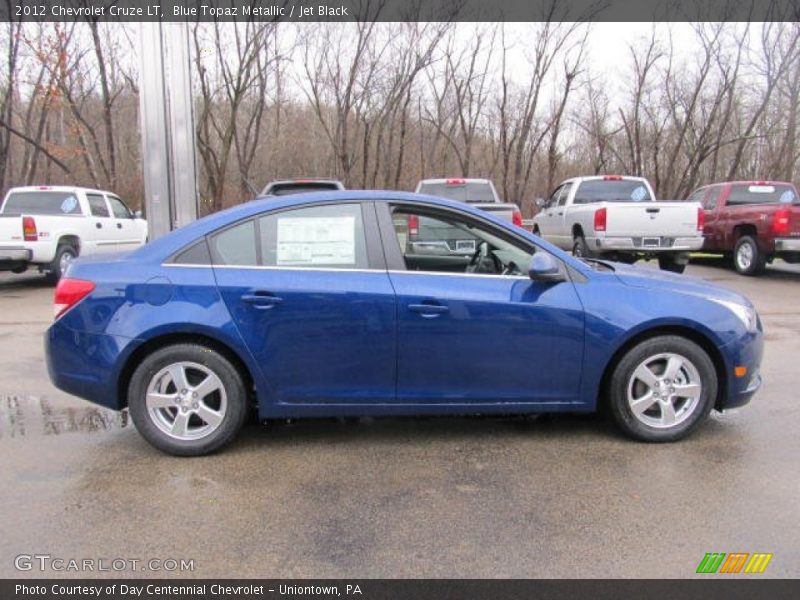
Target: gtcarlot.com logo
47	562
735	562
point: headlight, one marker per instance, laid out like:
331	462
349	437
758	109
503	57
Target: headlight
747	314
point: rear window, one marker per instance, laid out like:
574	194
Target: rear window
612	190
42	203
762	194
463	192
286	189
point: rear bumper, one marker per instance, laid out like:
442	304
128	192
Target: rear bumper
13	258
636	244
86	365
787	245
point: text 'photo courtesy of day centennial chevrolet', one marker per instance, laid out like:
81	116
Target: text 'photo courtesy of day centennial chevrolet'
326	305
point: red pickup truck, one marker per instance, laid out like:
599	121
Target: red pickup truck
752	222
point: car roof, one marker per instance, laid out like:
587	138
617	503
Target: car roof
464	179
58	188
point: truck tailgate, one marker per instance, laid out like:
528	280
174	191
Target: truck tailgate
663	219
10	230
501	210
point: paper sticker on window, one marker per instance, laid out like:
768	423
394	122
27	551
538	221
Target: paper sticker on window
638	194
761	189
69	204
787	197
316	241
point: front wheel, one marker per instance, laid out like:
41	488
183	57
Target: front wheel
747	258
662	389
187	400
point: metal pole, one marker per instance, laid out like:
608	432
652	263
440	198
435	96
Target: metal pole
167	126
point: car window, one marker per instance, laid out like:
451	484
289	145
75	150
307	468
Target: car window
553	199
118	208
97	205
442	243
562	199
460	189
697	196
710	201
611	190
42	203
330	235
762	193
196	254
235	246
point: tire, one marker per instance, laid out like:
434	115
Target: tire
636	389
747	258
580	248
168	405
668	263
64	255
536	231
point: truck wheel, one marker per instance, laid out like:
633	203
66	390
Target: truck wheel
669	263
64	255
187	400
580	248
662	389
747	258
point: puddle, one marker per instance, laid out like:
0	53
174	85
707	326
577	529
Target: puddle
36	416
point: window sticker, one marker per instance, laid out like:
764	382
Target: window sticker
69	204
639	194
787	197
316	241
761	189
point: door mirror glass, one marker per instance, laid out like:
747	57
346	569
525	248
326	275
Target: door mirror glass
137	214
540	202
544	267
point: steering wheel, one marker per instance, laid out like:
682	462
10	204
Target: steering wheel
478	261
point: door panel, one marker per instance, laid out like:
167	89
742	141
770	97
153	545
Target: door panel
494	339
103	238
318	336
125	228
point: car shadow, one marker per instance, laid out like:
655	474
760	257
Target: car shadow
777	271
31	279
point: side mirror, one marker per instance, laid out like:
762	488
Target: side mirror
544	267
137	214
540	202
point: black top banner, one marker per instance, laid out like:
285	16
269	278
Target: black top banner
400	10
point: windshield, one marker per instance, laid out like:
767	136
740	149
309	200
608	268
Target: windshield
42	203
612	190
762	194
463	192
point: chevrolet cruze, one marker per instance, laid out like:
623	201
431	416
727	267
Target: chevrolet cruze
320	305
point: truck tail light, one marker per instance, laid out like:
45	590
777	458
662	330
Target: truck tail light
600	219
780	222
516	218
612	178
456	182
413	225
68	293
701	218
29	232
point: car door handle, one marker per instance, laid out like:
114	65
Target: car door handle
428	310
560	212
99	225
119	225
262	300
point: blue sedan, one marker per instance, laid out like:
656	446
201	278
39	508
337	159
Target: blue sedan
385	303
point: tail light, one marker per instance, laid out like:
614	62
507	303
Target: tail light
701	219
600	219
516	218
413	225
455	182
68	293
29	232
780	222
612	178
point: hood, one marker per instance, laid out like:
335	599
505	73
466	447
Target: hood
655	279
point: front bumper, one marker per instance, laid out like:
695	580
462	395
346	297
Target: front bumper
745	352
648	244
787	245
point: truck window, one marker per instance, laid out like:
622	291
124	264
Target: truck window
611	190
698	196
565	191
460	190
710	201
553	199
118	207
97	205
762	194
42	203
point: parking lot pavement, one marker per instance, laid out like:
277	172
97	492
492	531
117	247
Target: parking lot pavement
452	497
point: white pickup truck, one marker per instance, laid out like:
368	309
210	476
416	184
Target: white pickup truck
48	226
479	193
619	218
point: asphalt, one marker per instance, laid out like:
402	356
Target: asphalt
439	497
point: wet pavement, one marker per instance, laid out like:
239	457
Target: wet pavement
450	497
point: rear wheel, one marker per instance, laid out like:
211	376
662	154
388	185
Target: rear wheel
65	254
662	389
670	263
747	258
580	248
187	400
